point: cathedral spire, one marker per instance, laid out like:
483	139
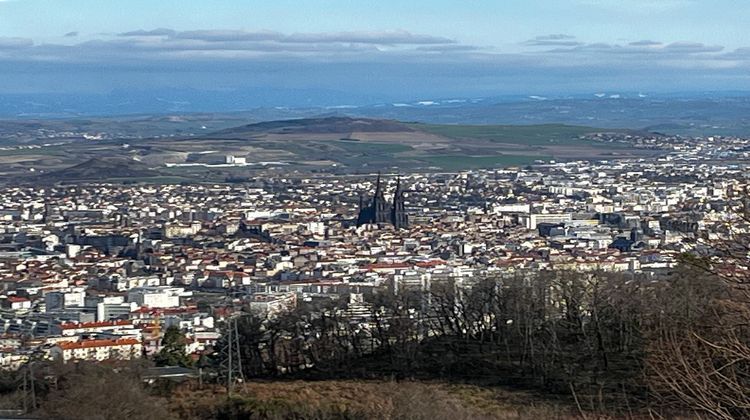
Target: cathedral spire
378	191
398	212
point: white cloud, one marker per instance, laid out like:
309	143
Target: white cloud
398	37
559	40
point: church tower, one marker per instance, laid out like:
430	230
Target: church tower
379	205
398	213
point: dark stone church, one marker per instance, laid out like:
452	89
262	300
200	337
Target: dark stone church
379	211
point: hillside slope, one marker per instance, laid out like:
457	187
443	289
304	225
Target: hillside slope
102	168
327	125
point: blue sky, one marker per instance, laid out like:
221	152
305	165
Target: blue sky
380	49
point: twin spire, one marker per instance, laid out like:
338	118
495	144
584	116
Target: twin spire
378	212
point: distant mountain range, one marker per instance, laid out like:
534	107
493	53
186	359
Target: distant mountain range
704	114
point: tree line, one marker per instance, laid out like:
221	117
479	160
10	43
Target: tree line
614	342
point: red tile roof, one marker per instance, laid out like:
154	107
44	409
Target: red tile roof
430	263
97	343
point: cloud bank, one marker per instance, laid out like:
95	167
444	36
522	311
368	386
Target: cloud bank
370	61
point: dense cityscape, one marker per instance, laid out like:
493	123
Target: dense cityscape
96	271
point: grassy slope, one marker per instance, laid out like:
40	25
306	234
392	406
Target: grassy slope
371	147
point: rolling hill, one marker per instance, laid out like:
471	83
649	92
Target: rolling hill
326	144
327	125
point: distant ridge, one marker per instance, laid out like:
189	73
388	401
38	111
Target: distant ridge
324	125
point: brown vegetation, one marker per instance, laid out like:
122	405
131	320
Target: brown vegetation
363	400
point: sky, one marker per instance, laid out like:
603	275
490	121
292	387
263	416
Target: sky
374	50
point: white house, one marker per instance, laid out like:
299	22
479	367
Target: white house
98	350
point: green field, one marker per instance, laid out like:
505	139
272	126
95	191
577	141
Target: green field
533	135
59	151
455	163
380	148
